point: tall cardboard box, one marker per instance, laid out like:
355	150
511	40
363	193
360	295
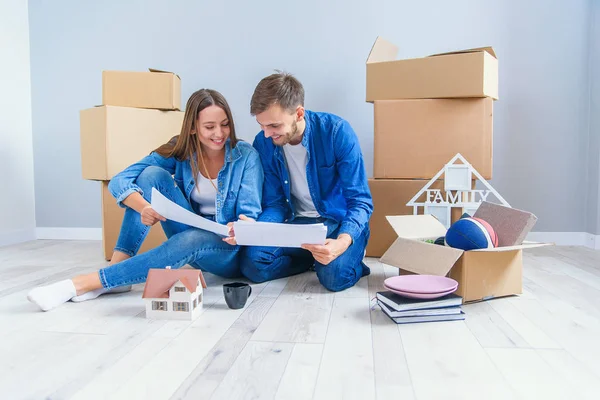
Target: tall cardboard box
154	89
112	218
416	138
112	138
463	73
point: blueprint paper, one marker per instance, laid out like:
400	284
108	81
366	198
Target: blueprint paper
248	233
175	212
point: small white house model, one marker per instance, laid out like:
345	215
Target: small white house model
458	192
173	293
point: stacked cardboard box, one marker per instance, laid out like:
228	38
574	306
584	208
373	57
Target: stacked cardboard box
139	112
426	110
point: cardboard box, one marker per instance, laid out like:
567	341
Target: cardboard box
154	89
416	138
112	218
463	73
481	274
112	138
485	275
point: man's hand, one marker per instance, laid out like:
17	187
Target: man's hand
331	250
150	217
231	238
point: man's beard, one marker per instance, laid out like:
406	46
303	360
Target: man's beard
291	135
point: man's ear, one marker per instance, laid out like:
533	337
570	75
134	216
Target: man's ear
299	113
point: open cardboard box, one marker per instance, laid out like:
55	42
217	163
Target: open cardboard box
481	274
462	73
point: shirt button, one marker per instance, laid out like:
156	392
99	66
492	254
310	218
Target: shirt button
285	182
287	200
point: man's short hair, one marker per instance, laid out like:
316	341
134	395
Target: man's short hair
280	88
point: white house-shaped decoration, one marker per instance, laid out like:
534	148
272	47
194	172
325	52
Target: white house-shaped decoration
458	175
173	293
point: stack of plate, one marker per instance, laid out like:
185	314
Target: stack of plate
421	286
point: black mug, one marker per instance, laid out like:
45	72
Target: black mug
236	294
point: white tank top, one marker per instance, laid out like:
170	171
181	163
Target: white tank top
205	195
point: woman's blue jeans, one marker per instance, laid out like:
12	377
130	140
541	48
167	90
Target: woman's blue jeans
184	245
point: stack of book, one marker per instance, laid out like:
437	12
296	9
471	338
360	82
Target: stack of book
403	310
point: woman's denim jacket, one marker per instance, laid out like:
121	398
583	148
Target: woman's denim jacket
240	181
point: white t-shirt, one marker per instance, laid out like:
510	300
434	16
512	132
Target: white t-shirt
205	195
297	160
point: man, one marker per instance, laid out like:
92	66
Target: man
314	172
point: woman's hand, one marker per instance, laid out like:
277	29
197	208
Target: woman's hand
150	217
231	238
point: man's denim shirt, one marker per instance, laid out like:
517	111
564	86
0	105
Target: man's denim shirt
335	173
239	181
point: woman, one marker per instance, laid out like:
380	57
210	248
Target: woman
215	175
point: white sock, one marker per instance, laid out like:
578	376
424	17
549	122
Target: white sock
92	294
48	297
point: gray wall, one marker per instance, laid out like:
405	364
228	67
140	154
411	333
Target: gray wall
17	209
541	132
593	218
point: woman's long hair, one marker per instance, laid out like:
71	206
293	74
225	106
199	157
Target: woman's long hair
187	146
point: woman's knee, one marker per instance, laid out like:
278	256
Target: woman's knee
153	176
194	238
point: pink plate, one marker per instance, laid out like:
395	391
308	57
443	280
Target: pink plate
421	284
421	295
415	292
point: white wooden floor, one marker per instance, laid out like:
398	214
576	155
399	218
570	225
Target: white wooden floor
295	340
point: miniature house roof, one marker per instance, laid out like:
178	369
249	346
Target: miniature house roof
160	281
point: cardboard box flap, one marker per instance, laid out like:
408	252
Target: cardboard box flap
162	71
511	225
523	246
382	50
417	227
489	50
420	257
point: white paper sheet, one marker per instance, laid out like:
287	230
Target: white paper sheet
248	233
175	212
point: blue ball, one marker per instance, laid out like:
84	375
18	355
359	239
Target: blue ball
470	234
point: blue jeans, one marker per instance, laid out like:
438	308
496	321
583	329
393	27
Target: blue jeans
185	245
260	264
